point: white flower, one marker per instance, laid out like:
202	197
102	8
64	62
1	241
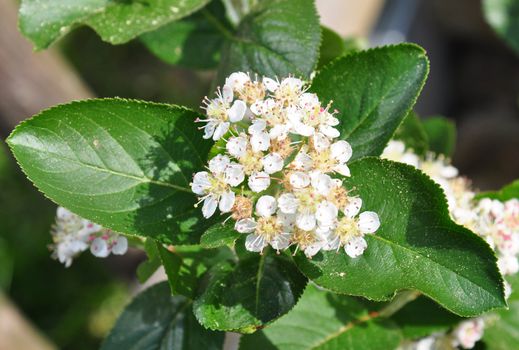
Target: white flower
285	131
236	81
299	179
272	163
220	114
259	181
237	146
395	151
266	206
234	174
349	230
468	333
259	139
288	203
214	187
508	264
120	246
99	248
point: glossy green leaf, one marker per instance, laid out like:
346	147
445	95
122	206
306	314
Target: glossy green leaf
124	164
373	91
219	235
248	295
509	191
332	46
45	21
278	38
423	317
502	327
503	16
148	267
323	320
192	42
416	247
157	320
441	133
413	134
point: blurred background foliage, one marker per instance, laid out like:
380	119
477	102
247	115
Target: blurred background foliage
474	81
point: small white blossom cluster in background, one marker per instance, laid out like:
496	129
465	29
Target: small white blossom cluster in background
495	221
277	170
72	235
465	336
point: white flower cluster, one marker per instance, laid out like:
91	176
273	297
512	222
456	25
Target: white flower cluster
493	220
276	171
465	335
72	235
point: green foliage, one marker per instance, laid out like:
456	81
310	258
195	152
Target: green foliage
503	16
373	90
123	164
62	303
332	46
417	246
501	327
247	295
441	133
149	266
412	133
423	317
277	38
157	320
509	191
45	21
192	42
323	320
219	235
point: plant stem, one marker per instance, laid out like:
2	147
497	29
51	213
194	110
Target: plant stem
398	302
217	24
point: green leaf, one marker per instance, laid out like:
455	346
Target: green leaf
219	235
149	266
423	317
501	327
247	295
332	46
373	90
278	38
124	164
509	191
45	21
417	246
157	320
503	16
413	134
323	320
192	42
441	133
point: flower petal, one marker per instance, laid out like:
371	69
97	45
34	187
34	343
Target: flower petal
234	174
99	248
218	164
288	203
237	111
120	246
226	202
245	225
272	163
260	141
255	243
209	207
299	179
266	206
270	84
306	221
356	247
259	181
353	207
368	222
221	129
341	151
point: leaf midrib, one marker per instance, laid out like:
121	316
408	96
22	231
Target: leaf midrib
106	170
